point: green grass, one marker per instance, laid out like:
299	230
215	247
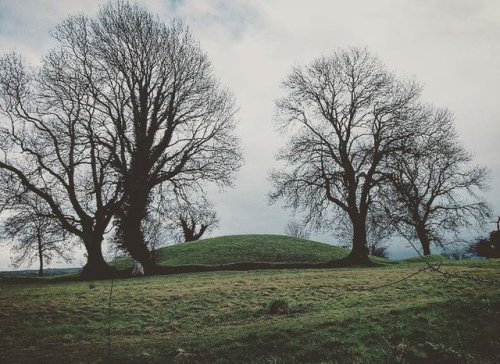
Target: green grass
244	248
225	317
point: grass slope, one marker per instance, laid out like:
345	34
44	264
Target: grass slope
224	317
246	248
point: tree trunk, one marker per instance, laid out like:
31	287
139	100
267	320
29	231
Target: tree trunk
424	240
96	267
359	252
40	255
133	241
134	212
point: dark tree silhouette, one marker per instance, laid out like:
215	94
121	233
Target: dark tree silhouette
191	229
33	233
170	121
435	184
49	137
490	247
347	115
378	232
189	219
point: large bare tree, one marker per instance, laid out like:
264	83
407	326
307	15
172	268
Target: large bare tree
48	144
169	120
347	115
435	185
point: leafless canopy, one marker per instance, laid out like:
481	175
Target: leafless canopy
49	135
435	186
167	119
347	114
182	216
33	233
297	230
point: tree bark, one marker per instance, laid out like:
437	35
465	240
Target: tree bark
40	255
359	252
133	240
96	267
137	189
424	240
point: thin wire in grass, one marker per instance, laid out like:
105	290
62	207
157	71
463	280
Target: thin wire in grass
390	283
109	306
448	275
431	268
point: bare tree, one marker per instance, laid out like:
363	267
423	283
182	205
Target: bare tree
171	121
196	221
435	186
48	145
187	217
347	115
297	230
34	235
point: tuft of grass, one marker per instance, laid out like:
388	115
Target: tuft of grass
279	306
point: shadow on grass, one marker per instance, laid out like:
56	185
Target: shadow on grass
248	266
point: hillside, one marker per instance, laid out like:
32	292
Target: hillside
245	248
364	315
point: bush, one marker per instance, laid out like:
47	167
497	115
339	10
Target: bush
488	248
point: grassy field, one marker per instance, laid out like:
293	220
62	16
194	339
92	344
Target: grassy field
239	248
336	315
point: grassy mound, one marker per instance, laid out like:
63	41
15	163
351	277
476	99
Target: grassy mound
245	248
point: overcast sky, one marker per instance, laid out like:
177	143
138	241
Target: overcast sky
452	47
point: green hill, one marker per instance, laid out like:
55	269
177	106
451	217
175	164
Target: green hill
245	248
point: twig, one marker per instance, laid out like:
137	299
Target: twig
390	283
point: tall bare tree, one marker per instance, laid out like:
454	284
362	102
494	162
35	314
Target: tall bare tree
435	185
33	234
171	121
48	145
347	115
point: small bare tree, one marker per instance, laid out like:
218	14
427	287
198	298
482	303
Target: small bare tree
434	186
194	224
34	235
347	115
189	218
49	129
297	230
